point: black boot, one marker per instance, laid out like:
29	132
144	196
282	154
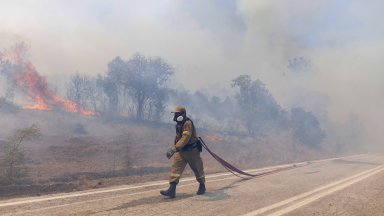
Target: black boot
201	189
171	192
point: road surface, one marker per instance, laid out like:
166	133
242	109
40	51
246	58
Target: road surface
341	186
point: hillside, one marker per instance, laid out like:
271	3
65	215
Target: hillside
83	151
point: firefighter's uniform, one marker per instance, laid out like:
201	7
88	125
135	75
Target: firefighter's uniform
188	152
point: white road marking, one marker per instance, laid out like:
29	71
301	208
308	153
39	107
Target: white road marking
109	198
313	195
156	183
323	194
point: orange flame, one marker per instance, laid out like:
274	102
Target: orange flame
36	87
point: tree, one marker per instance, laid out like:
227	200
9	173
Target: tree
144	80
157	104
147	76
5	69
111	90
82	90
74	90
306	128
13	157
257	105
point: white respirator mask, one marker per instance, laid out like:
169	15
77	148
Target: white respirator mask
180	118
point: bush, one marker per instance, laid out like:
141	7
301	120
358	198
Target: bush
12	159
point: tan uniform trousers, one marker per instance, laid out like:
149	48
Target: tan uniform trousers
181	159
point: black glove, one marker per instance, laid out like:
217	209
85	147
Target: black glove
170	152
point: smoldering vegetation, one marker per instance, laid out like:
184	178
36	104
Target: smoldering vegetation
114	127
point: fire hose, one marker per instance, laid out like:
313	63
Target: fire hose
239	173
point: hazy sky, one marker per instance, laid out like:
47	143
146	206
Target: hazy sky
211	42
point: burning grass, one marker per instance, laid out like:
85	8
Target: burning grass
23	75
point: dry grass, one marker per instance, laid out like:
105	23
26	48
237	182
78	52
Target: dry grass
99	156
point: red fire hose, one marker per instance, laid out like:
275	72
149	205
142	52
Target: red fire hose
237	172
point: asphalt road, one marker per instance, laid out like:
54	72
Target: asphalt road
341	186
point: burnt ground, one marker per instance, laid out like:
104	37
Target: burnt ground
78	153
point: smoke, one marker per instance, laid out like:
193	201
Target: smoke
344	42
212	42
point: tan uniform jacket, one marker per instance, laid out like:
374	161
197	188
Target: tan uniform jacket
188	135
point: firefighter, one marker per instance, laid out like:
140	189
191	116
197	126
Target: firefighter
187	150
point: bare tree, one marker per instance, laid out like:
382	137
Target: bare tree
74	90
5	70
82	90
13	157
